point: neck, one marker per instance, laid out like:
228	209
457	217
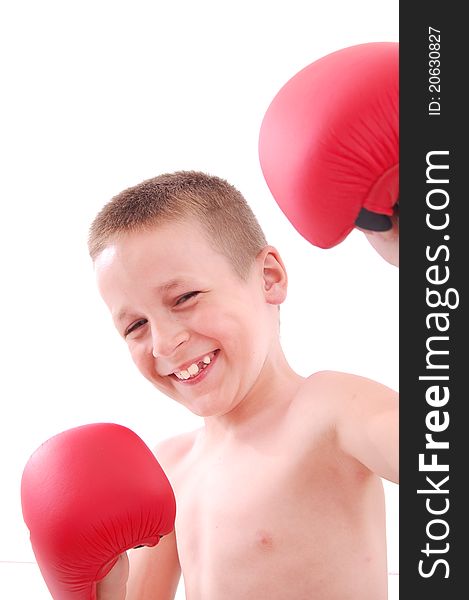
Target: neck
270	395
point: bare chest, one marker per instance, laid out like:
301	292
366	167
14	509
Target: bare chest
248	522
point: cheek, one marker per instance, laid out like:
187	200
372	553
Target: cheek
239	328
212	322
227	325
143	360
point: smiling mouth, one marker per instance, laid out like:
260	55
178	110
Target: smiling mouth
197	370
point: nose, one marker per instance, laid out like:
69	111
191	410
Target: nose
166	337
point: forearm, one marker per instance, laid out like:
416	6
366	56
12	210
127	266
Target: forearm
114	585
154	572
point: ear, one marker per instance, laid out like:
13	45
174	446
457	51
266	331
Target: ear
274	275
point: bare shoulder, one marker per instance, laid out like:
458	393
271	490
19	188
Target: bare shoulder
360	414
316	403
324	389
170	451
343	385
330	392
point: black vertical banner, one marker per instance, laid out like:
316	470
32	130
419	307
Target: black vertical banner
434	268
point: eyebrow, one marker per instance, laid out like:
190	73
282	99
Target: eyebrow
165	287
170	284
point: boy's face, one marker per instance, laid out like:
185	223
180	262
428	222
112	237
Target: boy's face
194	329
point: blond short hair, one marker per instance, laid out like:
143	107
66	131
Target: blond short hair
219	207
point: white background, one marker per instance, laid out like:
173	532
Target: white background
98	96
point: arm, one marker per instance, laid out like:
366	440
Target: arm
147	573
154	572
88	494
113	586
367	424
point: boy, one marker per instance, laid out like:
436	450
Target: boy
279	494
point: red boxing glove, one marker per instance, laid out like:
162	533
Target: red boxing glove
329	143
89	494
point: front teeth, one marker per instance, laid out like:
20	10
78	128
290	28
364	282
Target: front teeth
193	369
183	375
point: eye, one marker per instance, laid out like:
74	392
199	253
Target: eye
186	297
134	326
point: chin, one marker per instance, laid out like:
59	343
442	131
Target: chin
204	411
206	407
